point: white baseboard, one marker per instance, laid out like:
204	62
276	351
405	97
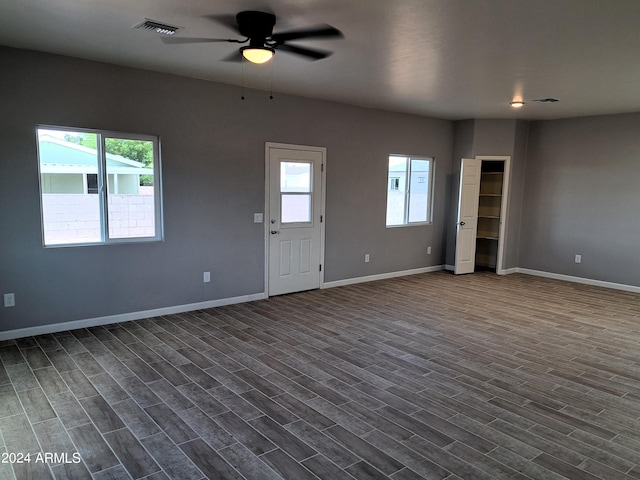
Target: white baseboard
586	281
126	317
381	276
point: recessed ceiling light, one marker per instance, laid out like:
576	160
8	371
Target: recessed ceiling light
517	104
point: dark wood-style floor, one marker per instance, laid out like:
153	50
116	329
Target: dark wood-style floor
429	376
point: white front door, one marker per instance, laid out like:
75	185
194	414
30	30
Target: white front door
294	235
467	222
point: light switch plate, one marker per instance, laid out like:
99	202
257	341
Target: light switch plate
258	218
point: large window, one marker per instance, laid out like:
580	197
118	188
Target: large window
409	183
98	187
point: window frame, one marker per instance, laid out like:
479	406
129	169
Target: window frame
102	173
309	193
407	194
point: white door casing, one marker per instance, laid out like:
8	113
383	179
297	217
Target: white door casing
294	206
467	221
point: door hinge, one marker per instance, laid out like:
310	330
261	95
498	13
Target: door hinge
320	267
322	167
321	218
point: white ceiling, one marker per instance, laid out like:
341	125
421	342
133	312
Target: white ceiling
453	59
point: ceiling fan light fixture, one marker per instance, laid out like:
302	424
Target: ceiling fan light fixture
257	54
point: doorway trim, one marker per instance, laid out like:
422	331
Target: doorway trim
267	204
504	207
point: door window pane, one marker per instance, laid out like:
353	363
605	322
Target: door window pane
295	192
295	177
296	208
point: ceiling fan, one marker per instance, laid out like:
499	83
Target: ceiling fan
257	30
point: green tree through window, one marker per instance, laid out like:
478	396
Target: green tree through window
138	150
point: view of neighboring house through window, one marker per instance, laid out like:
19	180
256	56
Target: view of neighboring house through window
409	190
98	187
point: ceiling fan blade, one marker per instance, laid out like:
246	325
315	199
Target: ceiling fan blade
227	20
234	57
323	31
186	40
309	53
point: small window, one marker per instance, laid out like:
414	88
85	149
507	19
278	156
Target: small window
409	192
92	183
295	192
98	187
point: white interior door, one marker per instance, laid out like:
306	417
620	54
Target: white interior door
467	222
295	178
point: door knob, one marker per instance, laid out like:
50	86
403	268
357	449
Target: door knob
462	223
274	232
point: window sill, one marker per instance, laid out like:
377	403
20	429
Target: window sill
413	224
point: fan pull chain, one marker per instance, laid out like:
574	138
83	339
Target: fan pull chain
271	80
242	79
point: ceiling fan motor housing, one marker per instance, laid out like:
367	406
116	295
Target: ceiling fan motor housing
257	26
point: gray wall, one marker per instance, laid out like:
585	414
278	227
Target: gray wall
213	182
517	185
574	189
582	197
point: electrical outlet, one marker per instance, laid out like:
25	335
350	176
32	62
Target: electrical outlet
9	300
578	259
428	250
366	258
206	277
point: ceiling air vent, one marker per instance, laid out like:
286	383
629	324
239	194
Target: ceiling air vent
546	100
157	27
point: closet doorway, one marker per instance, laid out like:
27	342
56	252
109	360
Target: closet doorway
482	206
